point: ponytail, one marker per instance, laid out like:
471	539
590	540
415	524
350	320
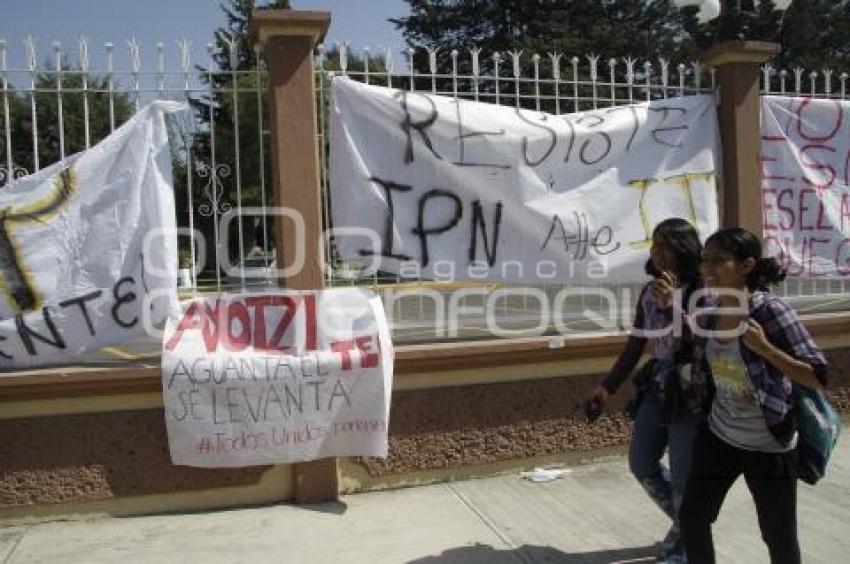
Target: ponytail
766	272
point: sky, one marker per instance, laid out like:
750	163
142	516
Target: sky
360	22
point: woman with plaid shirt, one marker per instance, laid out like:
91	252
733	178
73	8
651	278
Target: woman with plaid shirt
745	360
660	323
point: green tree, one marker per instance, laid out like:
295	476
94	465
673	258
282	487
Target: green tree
578	28
816	35
608	28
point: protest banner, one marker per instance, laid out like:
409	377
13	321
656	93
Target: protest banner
805	157
457	189
88	246
277	377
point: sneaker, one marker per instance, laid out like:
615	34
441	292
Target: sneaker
670	549
677	558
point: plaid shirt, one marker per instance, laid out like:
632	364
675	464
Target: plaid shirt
784	330
665	341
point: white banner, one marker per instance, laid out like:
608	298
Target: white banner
88	247
431	186
805	177
278	377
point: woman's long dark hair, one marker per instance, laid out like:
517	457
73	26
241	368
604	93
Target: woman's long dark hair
743	244
681	237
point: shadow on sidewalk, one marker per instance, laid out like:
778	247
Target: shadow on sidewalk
529	554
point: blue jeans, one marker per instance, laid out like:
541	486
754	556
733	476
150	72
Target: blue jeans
651	436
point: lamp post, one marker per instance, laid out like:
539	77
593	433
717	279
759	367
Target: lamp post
735	15
737	57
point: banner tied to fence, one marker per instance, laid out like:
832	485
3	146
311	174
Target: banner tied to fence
805	177
88	251
444	188
277	377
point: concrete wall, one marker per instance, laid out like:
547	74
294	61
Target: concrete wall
436	432
114	459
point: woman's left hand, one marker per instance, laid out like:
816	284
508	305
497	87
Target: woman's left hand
662	289
796	370
755	339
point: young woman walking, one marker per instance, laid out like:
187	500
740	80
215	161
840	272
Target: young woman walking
661	422
744	364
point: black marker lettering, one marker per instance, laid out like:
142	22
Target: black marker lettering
422	231
607	138
556	220
635	121
419	126
81	301
462	136
553	138
478	222
120	300
572	139
387	243
26	333
599	246
665	114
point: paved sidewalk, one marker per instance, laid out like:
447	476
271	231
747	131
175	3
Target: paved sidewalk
596	514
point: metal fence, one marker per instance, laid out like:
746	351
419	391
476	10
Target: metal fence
220	149
800	82
219	144
554	83
558	84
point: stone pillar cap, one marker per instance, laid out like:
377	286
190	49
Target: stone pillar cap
739	52
272	23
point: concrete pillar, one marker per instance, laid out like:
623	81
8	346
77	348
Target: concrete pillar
737	64
288	38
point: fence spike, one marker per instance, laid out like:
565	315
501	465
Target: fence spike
697	68
630	70
135	55
57	51
84	54
556	65
185	54
160	58
388	59
798	79
342	47
515	58
592	60
32	61
476	69
432	60
665	71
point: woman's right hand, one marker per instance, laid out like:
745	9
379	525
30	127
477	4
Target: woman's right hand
595	404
